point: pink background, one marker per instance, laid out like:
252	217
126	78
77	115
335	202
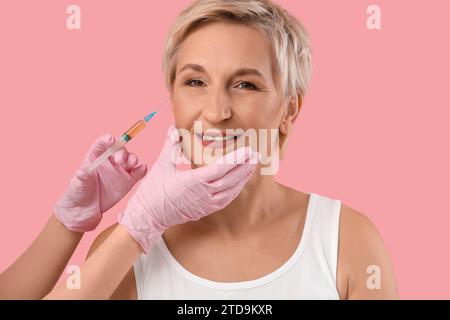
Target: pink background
373	131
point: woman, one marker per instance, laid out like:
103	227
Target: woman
271	241
241	64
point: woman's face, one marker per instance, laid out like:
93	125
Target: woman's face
224	86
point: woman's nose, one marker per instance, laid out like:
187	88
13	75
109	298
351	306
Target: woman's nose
218	108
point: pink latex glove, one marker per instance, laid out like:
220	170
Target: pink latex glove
88	196
168	196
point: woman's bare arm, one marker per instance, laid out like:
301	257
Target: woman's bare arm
104	269
127	289
364	267
37	270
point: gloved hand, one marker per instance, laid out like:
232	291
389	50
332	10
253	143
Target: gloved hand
168	196
89	195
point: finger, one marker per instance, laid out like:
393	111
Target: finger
244	178
232	177
139	172
224	197
83	174
121	158
82	180
226	163
132	161
101	144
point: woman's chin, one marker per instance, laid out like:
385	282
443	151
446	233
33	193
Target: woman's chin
207	155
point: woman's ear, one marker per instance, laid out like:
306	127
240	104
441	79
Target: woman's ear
292	111
287	122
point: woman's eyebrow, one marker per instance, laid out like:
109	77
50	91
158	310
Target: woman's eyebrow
239	72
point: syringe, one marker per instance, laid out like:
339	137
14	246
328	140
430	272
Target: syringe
127	136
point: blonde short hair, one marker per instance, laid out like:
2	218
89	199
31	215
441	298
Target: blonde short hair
291	45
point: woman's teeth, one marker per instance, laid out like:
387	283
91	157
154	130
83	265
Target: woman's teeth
218	138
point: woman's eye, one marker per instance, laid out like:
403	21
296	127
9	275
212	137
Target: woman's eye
243	85
194	83
247	86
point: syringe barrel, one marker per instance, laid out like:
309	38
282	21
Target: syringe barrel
133	131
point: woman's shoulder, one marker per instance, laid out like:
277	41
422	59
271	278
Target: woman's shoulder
364	265
350	219
361	253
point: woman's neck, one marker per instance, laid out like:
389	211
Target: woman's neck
257	204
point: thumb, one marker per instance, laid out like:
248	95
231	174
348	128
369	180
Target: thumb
102	143
82	181
83	174
139	172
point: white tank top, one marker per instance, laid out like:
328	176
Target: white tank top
310	273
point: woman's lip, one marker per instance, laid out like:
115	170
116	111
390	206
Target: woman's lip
216	134
217	143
